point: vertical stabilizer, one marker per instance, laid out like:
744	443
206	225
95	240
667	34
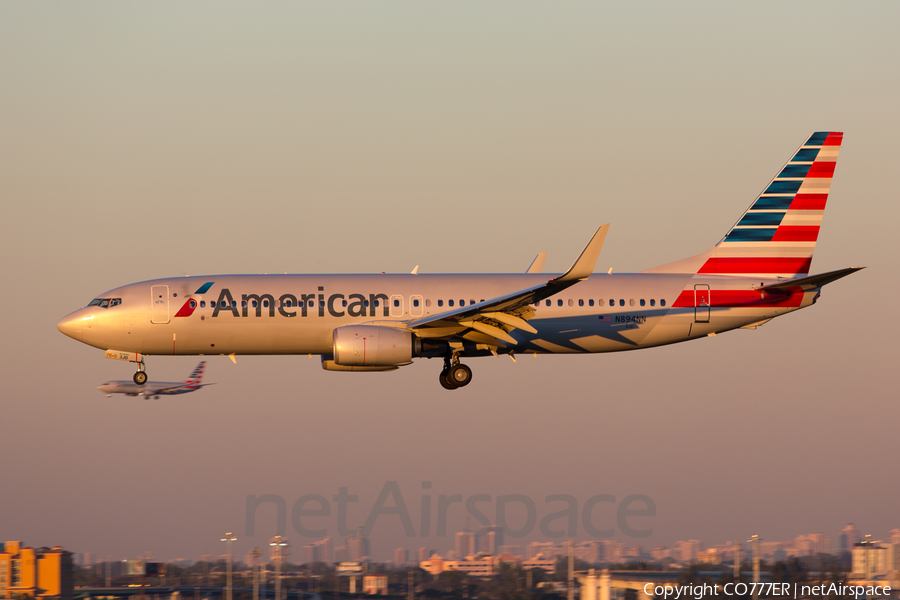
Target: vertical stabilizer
194	380
777	235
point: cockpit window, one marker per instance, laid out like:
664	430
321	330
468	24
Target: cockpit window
105	302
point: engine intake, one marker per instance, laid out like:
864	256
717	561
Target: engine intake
373	346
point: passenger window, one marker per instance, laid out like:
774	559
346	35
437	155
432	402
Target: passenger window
652	302
548	303
254	304
591	302
192	304
621	302
440	302
266	303
580	302
416	302
612	302
322	303
450	303
233	303
462	302
365	303
224	304
376	304
571	302
203	304
643	302
471	302
343	303
428	302
559	302
662	302
300	304
288	303
631	302
396	303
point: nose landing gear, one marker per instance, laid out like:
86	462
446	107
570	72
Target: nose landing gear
140	378
455	374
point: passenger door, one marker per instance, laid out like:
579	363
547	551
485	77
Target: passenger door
159	304
702	303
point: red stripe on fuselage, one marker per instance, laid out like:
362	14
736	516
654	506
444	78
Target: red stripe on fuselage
796	233
740	298
731	266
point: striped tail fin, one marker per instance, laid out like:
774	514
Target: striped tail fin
777	235
196	375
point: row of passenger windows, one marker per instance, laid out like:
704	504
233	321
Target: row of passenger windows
416	303
612	302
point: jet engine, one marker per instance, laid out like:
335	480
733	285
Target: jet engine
373	346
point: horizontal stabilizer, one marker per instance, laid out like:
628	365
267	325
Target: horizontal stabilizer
808	283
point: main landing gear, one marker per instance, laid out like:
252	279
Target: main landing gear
455	374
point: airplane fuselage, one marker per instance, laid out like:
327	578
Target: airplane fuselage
297	314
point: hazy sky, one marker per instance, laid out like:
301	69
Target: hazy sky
160	139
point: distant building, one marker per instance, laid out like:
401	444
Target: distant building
41	573
465	544
423	554
484	565
849	537
490	539
340	554
686	551
539	562
874	559
375	584
401	557
358	547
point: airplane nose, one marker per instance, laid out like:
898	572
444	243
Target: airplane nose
71	325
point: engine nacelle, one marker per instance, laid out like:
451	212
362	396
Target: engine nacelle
373	346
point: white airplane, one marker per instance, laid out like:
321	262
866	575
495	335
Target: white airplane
157	388
758	271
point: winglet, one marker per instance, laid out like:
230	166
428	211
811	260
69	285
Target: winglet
586	262
415	271
538	263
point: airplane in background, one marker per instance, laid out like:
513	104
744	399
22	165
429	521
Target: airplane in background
157	388
758	271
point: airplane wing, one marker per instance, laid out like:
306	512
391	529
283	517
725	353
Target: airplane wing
805	284
490	322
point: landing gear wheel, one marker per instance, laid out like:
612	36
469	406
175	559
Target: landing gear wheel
460	375
140	377
445	380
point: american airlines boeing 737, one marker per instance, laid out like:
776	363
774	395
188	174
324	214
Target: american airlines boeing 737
758	271
156	389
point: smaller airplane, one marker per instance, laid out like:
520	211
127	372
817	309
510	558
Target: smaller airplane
157	388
